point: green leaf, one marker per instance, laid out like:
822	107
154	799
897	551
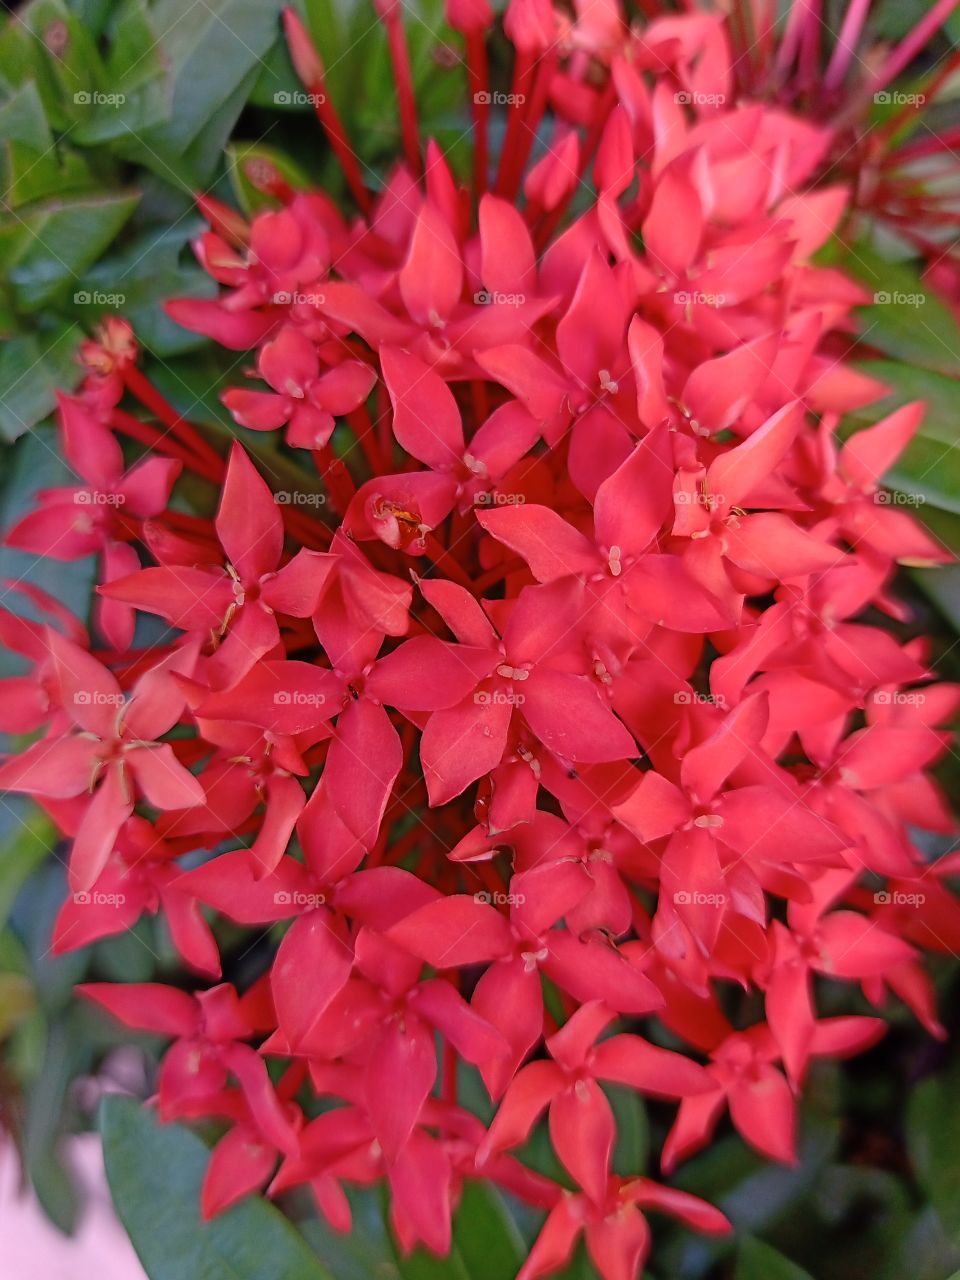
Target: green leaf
242	156
214	55
930	465
633	1134
486	1243
16	1001
933	1138
485	1235
31	841
63	239
905	320
360	79
22	119
41	175
32	366
942	585
155	1172
150	269
68	67
757	1260
136	88
363	1253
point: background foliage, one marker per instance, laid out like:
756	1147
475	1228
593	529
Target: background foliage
112	115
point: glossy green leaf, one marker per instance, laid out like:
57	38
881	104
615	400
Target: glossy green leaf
933	1137
30	841
23	120
136	89
485	1234
904	320
32	366
363	1252
137	280
64	238
243	158
486	1243
16	1001
69	68
214	59
757	1260
930	466
155	1172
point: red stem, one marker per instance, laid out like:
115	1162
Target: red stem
147	435
478	78
310	69
508	175
143	390
400	57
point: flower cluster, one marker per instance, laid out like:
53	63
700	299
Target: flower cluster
572	699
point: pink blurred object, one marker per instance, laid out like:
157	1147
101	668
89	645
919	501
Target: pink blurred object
33	1249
